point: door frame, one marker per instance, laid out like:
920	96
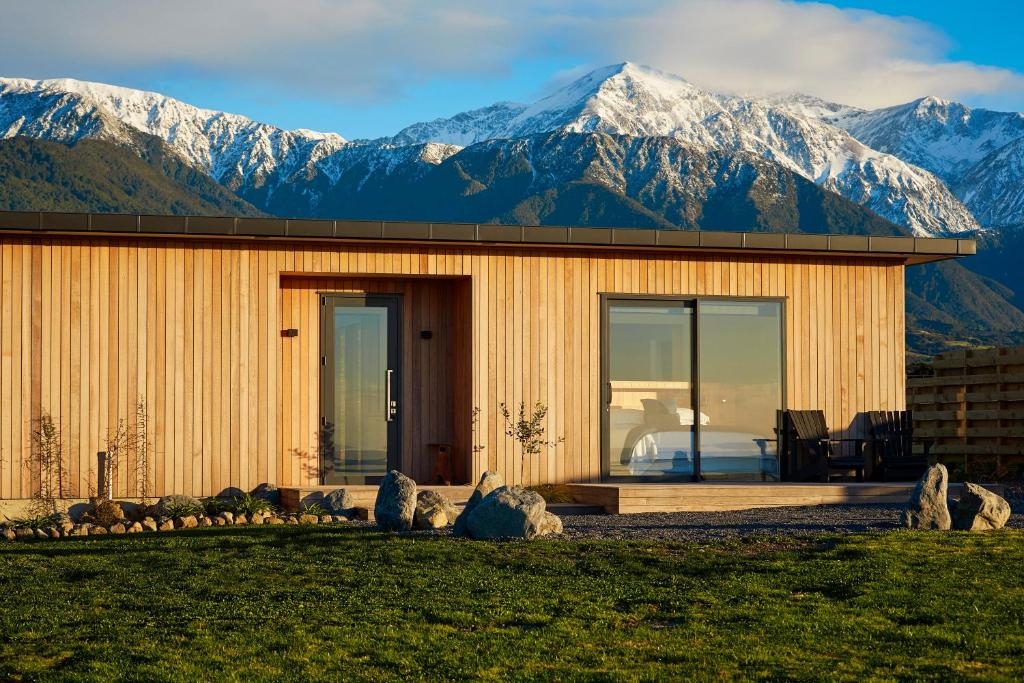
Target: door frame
394	303
606	299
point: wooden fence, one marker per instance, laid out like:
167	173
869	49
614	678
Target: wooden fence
973	408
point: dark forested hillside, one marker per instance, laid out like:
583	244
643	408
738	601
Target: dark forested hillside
94	175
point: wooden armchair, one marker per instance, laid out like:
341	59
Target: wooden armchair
811	451
892	446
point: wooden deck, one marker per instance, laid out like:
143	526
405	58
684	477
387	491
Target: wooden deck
653	497
710	497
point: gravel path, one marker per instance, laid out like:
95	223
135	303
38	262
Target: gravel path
704	526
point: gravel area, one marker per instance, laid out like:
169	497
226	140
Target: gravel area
705	526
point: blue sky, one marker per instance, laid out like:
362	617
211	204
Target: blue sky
365	68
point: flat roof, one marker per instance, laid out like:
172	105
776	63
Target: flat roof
914	249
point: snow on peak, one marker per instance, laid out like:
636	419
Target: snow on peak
227	146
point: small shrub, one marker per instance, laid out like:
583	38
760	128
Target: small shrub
105	512
249	504
179	509
35	522
314	509
214	506
528	429
553	493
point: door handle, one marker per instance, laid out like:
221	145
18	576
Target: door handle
391	405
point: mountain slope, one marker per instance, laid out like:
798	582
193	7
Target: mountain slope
628	99
232	149
583	179
96	175
993	188
947	138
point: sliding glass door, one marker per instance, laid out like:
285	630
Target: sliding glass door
740	362
649	389
691	388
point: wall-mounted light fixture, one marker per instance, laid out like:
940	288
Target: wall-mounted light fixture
426	334
290	332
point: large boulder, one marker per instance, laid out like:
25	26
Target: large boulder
176	503
980	510
396	502
508	512
433	511
340	502
267	492
489	481
927	507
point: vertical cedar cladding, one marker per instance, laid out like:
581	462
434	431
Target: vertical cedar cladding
89	325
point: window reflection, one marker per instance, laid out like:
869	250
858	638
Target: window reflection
740	365
650	391
650	415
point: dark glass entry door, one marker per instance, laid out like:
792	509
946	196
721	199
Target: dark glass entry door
360	387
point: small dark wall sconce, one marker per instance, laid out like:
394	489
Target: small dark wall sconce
290	332
426	334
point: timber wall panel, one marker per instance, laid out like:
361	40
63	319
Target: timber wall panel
92	325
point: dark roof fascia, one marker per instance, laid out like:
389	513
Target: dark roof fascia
913	249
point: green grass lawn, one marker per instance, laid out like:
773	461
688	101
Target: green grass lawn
341	604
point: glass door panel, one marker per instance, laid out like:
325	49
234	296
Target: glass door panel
649	391
740	371
360	388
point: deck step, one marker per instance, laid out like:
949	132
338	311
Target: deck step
570	509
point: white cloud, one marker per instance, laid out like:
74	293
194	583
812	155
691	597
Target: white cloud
371	49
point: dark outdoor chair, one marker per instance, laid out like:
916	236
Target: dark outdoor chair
892	446
811	451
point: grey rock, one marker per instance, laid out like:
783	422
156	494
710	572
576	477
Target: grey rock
340	502
41	534
52	532
97	530
326	519
8	534
980	510
240	518
148	524
267	492
166	502
551	525
118	528
205	522
507	512
309	519
135	528
433	511
165	525
396	502
339	519
489	481
927	507
273	519
228	517
63	521
256	518
24	533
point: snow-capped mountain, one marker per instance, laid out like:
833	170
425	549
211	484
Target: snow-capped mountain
628	99
234	150
993	188
947	138
915	165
